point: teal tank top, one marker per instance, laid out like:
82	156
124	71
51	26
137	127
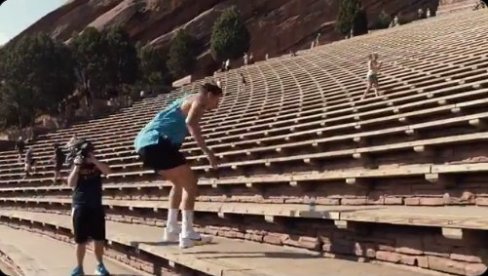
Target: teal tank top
169	123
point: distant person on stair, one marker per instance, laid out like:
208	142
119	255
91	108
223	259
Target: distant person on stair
374	66
71	142
29	162
88	214
227	65
58	160
482	4
243	79
20	146
158	145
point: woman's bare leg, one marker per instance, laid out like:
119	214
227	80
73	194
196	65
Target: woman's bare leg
368	88
172	230
376	88
175	197
184	191
185	181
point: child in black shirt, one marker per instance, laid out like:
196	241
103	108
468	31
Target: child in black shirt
88	213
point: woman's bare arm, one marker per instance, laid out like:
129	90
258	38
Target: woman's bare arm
193	124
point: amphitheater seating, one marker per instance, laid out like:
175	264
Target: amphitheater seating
398	179
450	6
448	218
27	251
228	258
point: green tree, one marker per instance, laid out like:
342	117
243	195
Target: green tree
105	61
230	37
153	66
2	60
123	60
347	11
92	52
360	23
37	73
18	105
182	55
383	20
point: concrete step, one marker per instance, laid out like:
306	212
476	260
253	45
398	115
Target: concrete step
224	256
460	217
7	269
456	7
38	256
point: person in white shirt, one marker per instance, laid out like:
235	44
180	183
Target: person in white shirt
227	65
72	141
374	66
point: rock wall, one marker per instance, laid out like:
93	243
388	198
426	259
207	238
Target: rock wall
276	26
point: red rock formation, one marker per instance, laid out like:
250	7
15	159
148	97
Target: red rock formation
275	25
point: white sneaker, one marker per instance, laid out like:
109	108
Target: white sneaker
192	239
171	235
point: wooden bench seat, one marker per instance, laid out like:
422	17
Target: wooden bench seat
28	252
355	176
465	85
364	123
223	257
128	144
128	156
448	217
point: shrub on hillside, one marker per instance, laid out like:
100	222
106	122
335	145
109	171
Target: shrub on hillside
182	55
105	61
230	37
153	66
402	19
91	51
123	59
347	12
37	73
360	23
383	20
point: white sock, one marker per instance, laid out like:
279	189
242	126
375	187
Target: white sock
187	222
172	223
